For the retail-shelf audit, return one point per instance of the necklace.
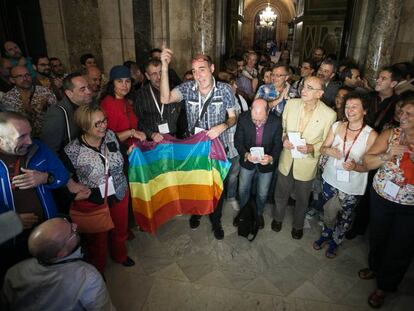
(89, 144)
(352, 130)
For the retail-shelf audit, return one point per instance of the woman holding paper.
(391, 240)
(344, 177)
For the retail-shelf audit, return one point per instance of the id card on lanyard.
(163, 127)
(341, 174)
(110, 189)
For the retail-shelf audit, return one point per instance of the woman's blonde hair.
(83, 116)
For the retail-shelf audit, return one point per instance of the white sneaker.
(234, 204)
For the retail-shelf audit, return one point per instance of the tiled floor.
(180, 269)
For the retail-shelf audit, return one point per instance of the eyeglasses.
(73, 230)
(101, 122)
(278, 76)
(25, 76)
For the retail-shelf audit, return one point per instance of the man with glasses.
(29, 170)
(56, 278)
(217, 101)
(155, 118)
(307, 122)
(31, 100)
(279, 91)
(257, 130)
(44, 76)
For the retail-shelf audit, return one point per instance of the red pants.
(96, 247)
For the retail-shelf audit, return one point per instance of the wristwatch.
(50, 178)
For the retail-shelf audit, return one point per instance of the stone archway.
(284, 9)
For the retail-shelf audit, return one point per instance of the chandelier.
(267, 17)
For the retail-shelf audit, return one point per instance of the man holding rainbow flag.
(210, 109)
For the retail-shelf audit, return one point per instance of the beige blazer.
(315, 133)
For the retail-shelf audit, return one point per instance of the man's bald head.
(54, 239)
(94, 77)
(259, 111)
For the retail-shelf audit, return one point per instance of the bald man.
(56, 278)
(257, 129)
(310, 119)
(93, 76)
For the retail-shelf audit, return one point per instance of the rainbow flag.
(176, 177)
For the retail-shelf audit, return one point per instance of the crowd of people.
(317, 137)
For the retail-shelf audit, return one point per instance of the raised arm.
(167, 96)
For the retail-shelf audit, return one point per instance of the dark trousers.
(215, 217)
(361, 219)
(391, 241)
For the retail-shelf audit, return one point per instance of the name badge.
(342, 175)
(163, 128)
(111, 189)
(391, 189)
(198, 130)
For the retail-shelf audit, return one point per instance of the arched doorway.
(263, 32)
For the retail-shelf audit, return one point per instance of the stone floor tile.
(262, 286)
(197, 265)
(310, 292)
(215, 278)
(171, 272)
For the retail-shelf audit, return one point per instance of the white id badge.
(111, 189)
(163, 128)
(342, 175)
(198, 130)
(391, 189)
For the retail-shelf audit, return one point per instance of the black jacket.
(245, 138)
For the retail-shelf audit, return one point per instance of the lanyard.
(160, 111)
(200, 105)
(355, 139)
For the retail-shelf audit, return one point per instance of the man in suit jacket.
(312, 119)
(257, 128)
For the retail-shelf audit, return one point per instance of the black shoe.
(351, 234)
(128, 262)
(297, 234)
(194, 221)
(276, 225)
(218, 232)
(260, 222)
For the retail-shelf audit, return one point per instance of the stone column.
(203, 27)
(382, 37)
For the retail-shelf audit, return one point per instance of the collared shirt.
(149, 116)
(269, 93)
(71, 285)
(259, 135)
(41, 99)
(223, 101)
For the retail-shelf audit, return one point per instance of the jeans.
(245, 183)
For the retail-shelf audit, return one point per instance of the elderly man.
(155, 118)
(56, 278)
(28, 172)
(209, 107)
(24, 97)
(257, 128)
(307, 122)
(327, 72)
